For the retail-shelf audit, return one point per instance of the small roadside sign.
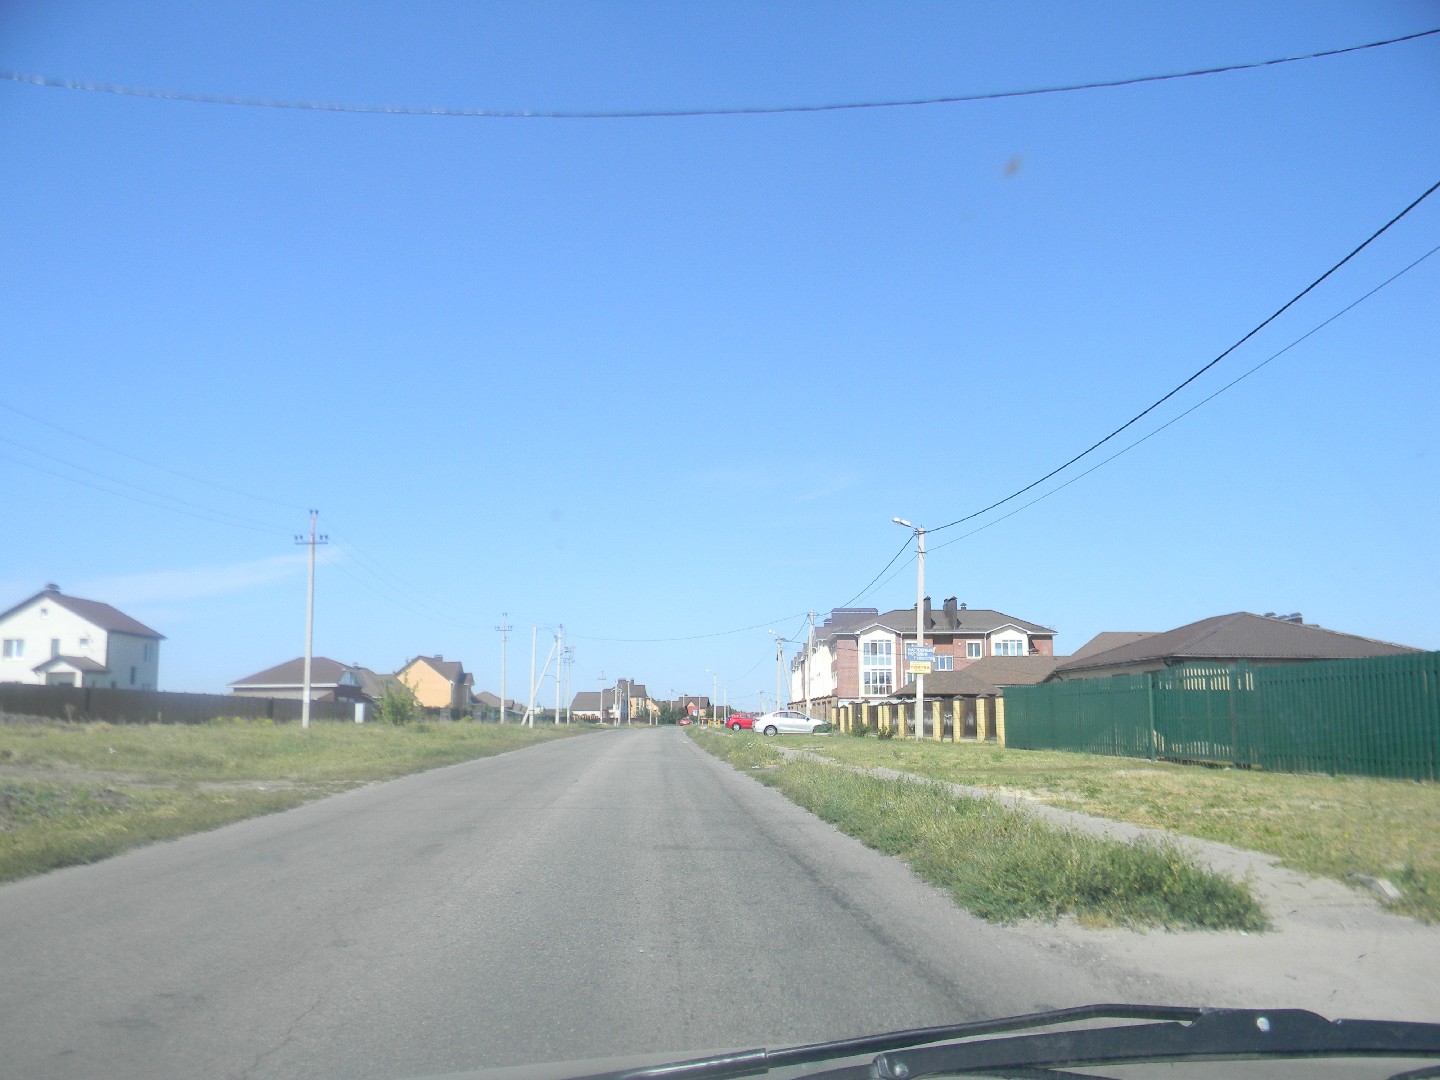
(919, 659)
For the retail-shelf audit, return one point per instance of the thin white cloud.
(172, 586)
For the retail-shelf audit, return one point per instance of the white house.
(63, 640)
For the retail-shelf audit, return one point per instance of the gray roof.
(323, 672)
(79, 663)
(101, 615)
(589, 700)
(373, 684)
(1239, 636)
(940, 621)
(492, 701)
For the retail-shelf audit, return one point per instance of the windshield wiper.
(1178, 1034)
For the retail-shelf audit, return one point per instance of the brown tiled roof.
(101, 615)
(450, 670)
(1239, 636)
(988, 675)
(950, 684)
(1015, 670)
(1109, 639)
(323, 672)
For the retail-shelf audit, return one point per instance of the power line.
(144, 461)
(1166, 397)
(1203, 401)
(642, 114)
(197, 512)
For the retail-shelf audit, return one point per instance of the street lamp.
(919, 623)
(714, 693)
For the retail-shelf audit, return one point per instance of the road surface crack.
(284, 1039)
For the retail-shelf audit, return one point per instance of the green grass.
(1000, 863)
(76, 793)
(1326, 825)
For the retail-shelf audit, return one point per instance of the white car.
(789, 722)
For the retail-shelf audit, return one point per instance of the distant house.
(859, 653)
(1224, 639)
(592, 704)
(438, 684)
(61, 640)
(626, 702)
(487, 706)
(330, 680)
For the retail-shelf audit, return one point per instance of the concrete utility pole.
(309, 616)
(559, 663)
(530, 709)
(779, 669)
(569, 674)
(714, 694)
(600, 709)
(504, 629)
(809, 648)
(919, 623)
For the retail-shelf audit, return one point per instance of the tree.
(398, 705)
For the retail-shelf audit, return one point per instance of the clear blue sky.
(661, 378)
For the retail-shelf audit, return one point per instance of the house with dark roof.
(330, 680)
(487, 706)
(59, 640)
(438, 684)
(1225, 639)
(859, 653)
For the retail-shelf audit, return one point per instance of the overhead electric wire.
(1166, 397)
(202, 515)
(1203, 401)
(144, 461)
(644, 114)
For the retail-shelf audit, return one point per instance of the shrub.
(398, 705)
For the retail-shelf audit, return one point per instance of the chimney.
(929, 619)
(962, 607)
(52, 587)
(951, 616)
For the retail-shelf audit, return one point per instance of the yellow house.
(438, 684)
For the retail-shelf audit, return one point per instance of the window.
(54, 646)
(132, 676)
(944, 663)
(84, 643)
(14, 648)
(147, 652)
(877, 668)
(1012, 647)
(972, 650)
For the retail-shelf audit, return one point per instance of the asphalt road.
(607, 895)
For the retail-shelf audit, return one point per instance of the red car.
(739, 721)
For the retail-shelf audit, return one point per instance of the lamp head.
(902, 521)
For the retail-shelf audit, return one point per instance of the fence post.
(1150, 685)
(937, 719)
(1000, 719)
(982, 722)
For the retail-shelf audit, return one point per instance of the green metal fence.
(1373, 717)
